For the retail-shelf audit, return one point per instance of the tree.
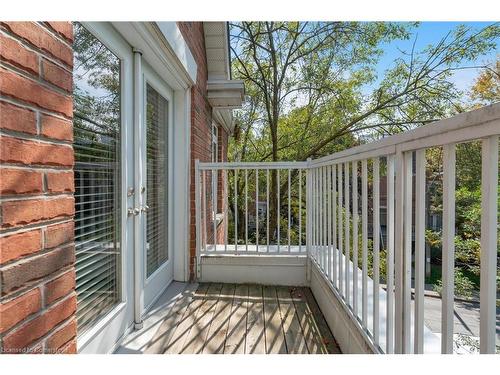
(318, 91)
(486, 88)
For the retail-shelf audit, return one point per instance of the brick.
(60, 182)
(18, 309)
(23, 273)
(22, 88)
(56, 128)
(40, 326)
(20, 151)
(20, 181)
(69, 348)
(16, 118)
(41, 38)
(56, 235)
(28, 211)
(65, 29)
(18, 245)
(60, 338)
(60, 287)
(57, 76)
(16, 54)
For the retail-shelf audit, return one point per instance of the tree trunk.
(274, 209)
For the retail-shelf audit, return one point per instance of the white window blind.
(97, 177)
(157, 180)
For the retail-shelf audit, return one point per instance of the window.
(96, 94)
(215, 151)
(157, 180)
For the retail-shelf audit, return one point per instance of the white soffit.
(217, 47)
(224, 94)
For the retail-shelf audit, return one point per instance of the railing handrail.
(254, 165)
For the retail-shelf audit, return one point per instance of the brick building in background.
(56, 266)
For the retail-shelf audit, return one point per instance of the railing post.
(390, 256)
(448, 249)
(406, 250)
(418, 339)
(376, 248)
(398, 253)
(197, 216)
(489, 222)
(308, 219)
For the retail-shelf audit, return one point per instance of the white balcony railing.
(325, 207)
(249, 227)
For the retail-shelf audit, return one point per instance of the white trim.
(181, 183)
(102, 335)
(179, 47)
(138, 177)
(164, 48)
(255, 165)
(260, 269)
(86, 342)
(345, 327)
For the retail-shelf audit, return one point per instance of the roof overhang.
(224, 93)
(227, 94)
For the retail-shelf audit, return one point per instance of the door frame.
(164, 49)
(110, 328)
(159, 280)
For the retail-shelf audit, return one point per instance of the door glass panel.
(157, 180)
(96, 93)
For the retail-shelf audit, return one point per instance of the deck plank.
(167, 328)
(199, 331)
(295, 341)
(179, 338)
(275, 338)
(327, 338)
(255, 342)
(236, 334)
(307, 323)
(216, 337)
(229, 318)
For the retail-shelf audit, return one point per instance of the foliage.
(313, 83)
(486, 88)
(463, 286)
(96, 93)
(467, 207)
(312, 87)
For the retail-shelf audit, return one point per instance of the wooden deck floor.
(230, 318)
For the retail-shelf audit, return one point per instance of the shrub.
(463, 286)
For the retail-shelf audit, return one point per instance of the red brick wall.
(37, 297)
(201, 126)
(201, 118)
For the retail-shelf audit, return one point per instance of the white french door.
(156, 177)
(123, 182)
(104, 175)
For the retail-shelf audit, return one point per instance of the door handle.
(145, 208)
(133, 211)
